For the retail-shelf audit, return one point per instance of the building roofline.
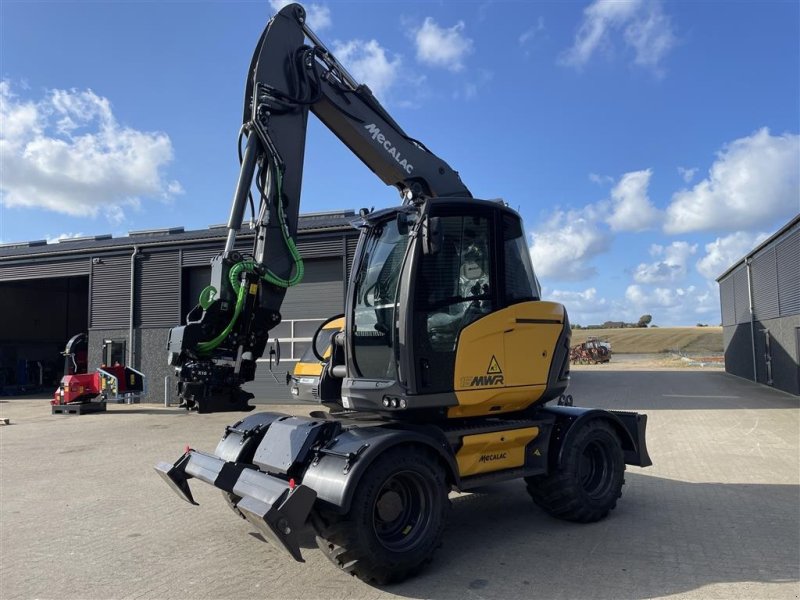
(312, 223)
(790, 225)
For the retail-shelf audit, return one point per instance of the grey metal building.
(132, 289)
(760, 299)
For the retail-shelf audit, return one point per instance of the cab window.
(454, 287)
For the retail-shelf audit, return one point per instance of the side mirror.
(403, 223)
(275, 353)
(431, 235)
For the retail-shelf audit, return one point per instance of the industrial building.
(760, 300)
(132, 289)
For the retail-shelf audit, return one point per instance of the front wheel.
(395, 522)
(586, 486)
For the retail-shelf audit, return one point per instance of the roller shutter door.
(158, 279)
(31, 269)
(319, 295)
(110, 293)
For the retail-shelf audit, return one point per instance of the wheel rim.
(402, 512)
(595, 471)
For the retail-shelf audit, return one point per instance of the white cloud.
(581, 304)
(670, 268)
(650, 35)
(724, 251)
(566, 243)
(368, 62)
(532, 32)
(470, 89)
(67, 153)
(673, 306)
(754, 182)
(63, 236)
(630, 205)
(646, 30)
(442, 47)
(687, 174)
(318, 16)
(600, 179)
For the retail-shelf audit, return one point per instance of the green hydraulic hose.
(299, 267)
(206, 347)
(269, 276)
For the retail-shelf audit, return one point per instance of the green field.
(691, 340)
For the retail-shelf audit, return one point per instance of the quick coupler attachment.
(278, 509)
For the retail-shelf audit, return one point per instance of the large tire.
(589, 481)
(395, 522)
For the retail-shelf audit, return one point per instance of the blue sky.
(647, 144)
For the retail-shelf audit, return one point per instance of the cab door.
(452, 289)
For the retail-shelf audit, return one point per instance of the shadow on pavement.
(666, 537)
(673, 390)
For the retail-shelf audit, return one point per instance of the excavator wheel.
(395, 522)
(586, 486)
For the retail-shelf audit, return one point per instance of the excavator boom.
(291, 73)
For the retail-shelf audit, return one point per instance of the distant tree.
(701, 325)
(577, 326)
(644, 320)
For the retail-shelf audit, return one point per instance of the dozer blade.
(277, 508)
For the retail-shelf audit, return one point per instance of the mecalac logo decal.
(494, 376)
(490, 457)
(376, 134)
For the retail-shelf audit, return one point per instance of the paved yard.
(83, 514)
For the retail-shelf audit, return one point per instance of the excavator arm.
(291, 73)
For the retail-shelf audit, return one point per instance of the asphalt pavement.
(84, 515)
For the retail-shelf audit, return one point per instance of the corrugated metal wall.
(775, 282)
(29, 269)
(320, 294)
(315, 248)
(787, 255)
(741, 295)
(352, 244)
(158, 290)
(109, 293)
(765, 285)
(727, 301)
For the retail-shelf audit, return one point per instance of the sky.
(648, 145)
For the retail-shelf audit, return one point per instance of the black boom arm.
(291, 73)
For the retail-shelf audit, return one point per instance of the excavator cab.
(444, 315)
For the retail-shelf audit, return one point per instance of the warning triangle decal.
(494, 367)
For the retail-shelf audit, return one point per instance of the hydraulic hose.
(234, 276)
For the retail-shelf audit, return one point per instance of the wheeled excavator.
(443, 376)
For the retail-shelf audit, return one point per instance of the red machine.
(78, 389)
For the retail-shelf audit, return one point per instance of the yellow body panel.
(503, 359)
(314, 369)
(308, 369)
(488, 452)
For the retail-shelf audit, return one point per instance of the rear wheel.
(589, 482)
(395, 522)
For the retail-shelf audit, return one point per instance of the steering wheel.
(320, 358)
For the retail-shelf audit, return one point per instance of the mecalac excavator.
(443, 376)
